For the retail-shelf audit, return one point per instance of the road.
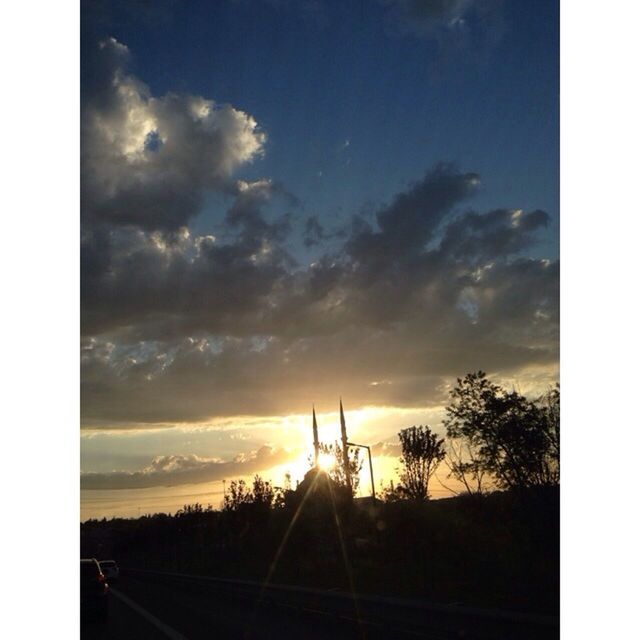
(148, 605)
(147, 609)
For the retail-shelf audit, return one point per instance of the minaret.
(316, 444)
(345, 447)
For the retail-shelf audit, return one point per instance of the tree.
(549, 408)
(262, 496)
(391, 492)
(505, 435)
(422, 452)
(336, 471)
(238, 494)
(263, 493)
(193, 510)
(464, 465)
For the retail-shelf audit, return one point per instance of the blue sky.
(355, 106)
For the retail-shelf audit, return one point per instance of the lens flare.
(326, 461)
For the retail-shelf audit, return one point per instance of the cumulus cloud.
(152, 284)
(147, 161)
(422, 294)
(172, 470)
(404, 227)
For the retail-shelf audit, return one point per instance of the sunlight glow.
(326, 461)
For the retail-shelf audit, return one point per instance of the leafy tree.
(336, 472)
(505, 435)
(238, 494)
(422, 452)
(263, 493)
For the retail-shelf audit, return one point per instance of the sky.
(284, 203)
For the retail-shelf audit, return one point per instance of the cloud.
(480, 238)
(172, 470)
(147, 161)
(430, 14)
(152, 284)
(315, 234)
(425, 295)
(455, 25)
(410, 220)
(107, 13)
(388, 449)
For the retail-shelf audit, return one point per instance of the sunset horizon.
(242, 262)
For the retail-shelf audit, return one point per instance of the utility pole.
(345, 448)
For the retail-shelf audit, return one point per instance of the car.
(110, 570)
(94, 590)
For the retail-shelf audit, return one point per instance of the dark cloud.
(172, 470)
(425, 15)
(456, 26)
(154, 284)
(315, 233)
(228, 332)
(246, 214)
(513, 325)
(478, 238)
(409, 222)
(110, 13)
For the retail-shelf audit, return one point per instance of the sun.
(326, 461)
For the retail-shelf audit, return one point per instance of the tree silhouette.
(238, 494)
(391, 492)
(193, 510)
(504, 434)
(262, 496)
(336, 472)
(549, 407)
(465, 466)
(422, 452)
(263, 493)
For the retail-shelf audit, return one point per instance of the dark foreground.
(161, 605)
(499, 551)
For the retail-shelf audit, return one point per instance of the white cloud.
(172, 470)
(147, 160)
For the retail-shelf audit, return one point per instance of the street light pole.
(368, 448)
